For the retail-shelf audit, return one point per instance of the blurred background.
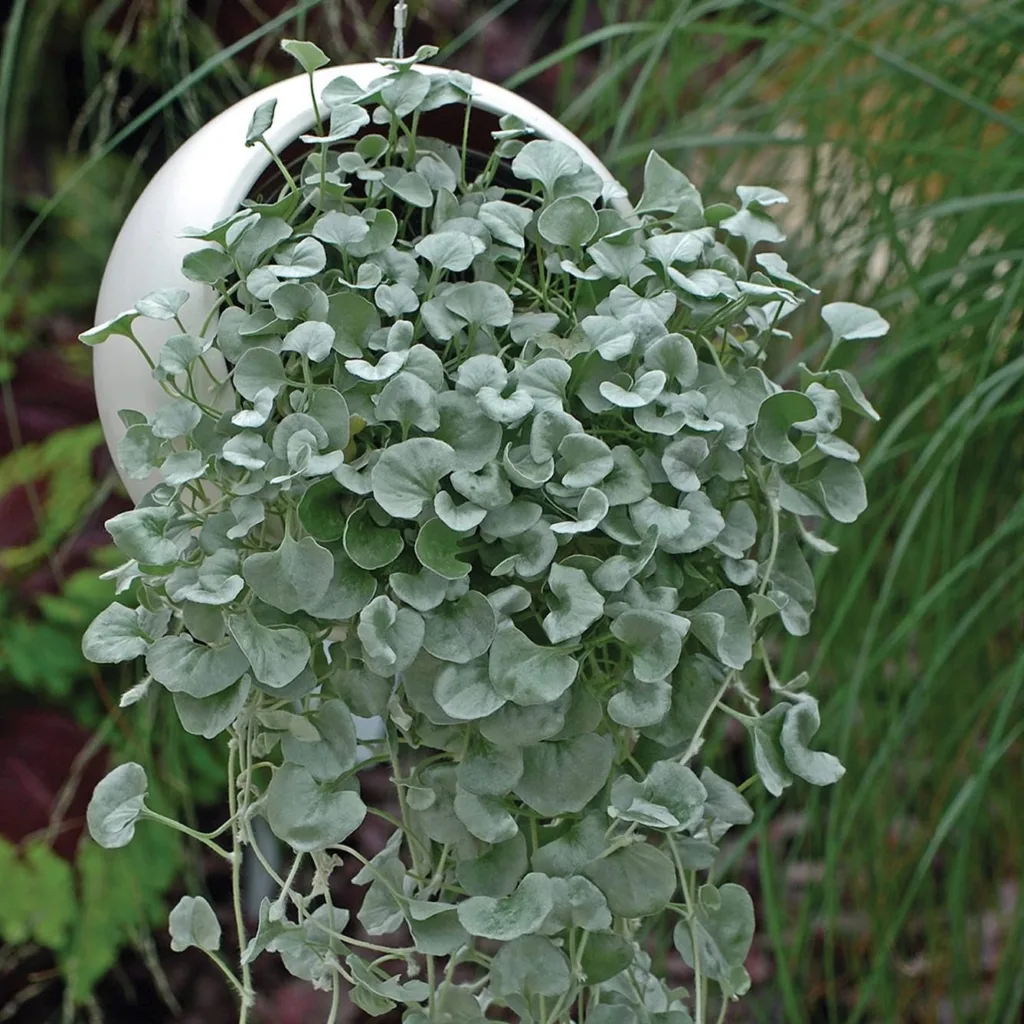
(897, 129)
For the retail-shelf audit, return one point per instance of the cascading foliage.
(501, 467)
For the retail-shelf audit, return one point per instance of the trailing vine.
(501, 469)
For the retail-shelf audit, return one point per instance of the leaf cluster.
(501, 466)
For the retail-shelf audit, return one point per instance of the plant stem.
(695, 742)
(285, 173)
(432, 983)
(227, 972)
(698, 978)
(237, 838)
(185, 830)
(335, 999)
(286, 889)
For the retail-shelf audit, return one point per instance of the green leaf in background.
(605, 956)
(321, 512)
(39, 904)
(367, 544)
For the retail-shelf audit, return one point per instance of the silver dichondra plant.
(499, 466)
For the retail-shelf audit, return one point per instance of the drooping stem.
(396, 778)
(227, 972)
(335, 999)
(199, 837)
(285, 173)
(698, 977)
(237, 840)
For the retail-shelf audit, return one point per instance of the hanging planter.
(208, 179)
(479, 450)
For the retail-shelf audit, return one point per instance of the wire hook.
(401, 13)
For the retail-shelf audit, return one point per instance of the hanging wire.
(401, 13)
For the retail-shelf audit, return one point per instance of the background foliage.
(894, 126)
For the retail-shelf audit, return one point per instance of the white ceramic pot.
(204, 181)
